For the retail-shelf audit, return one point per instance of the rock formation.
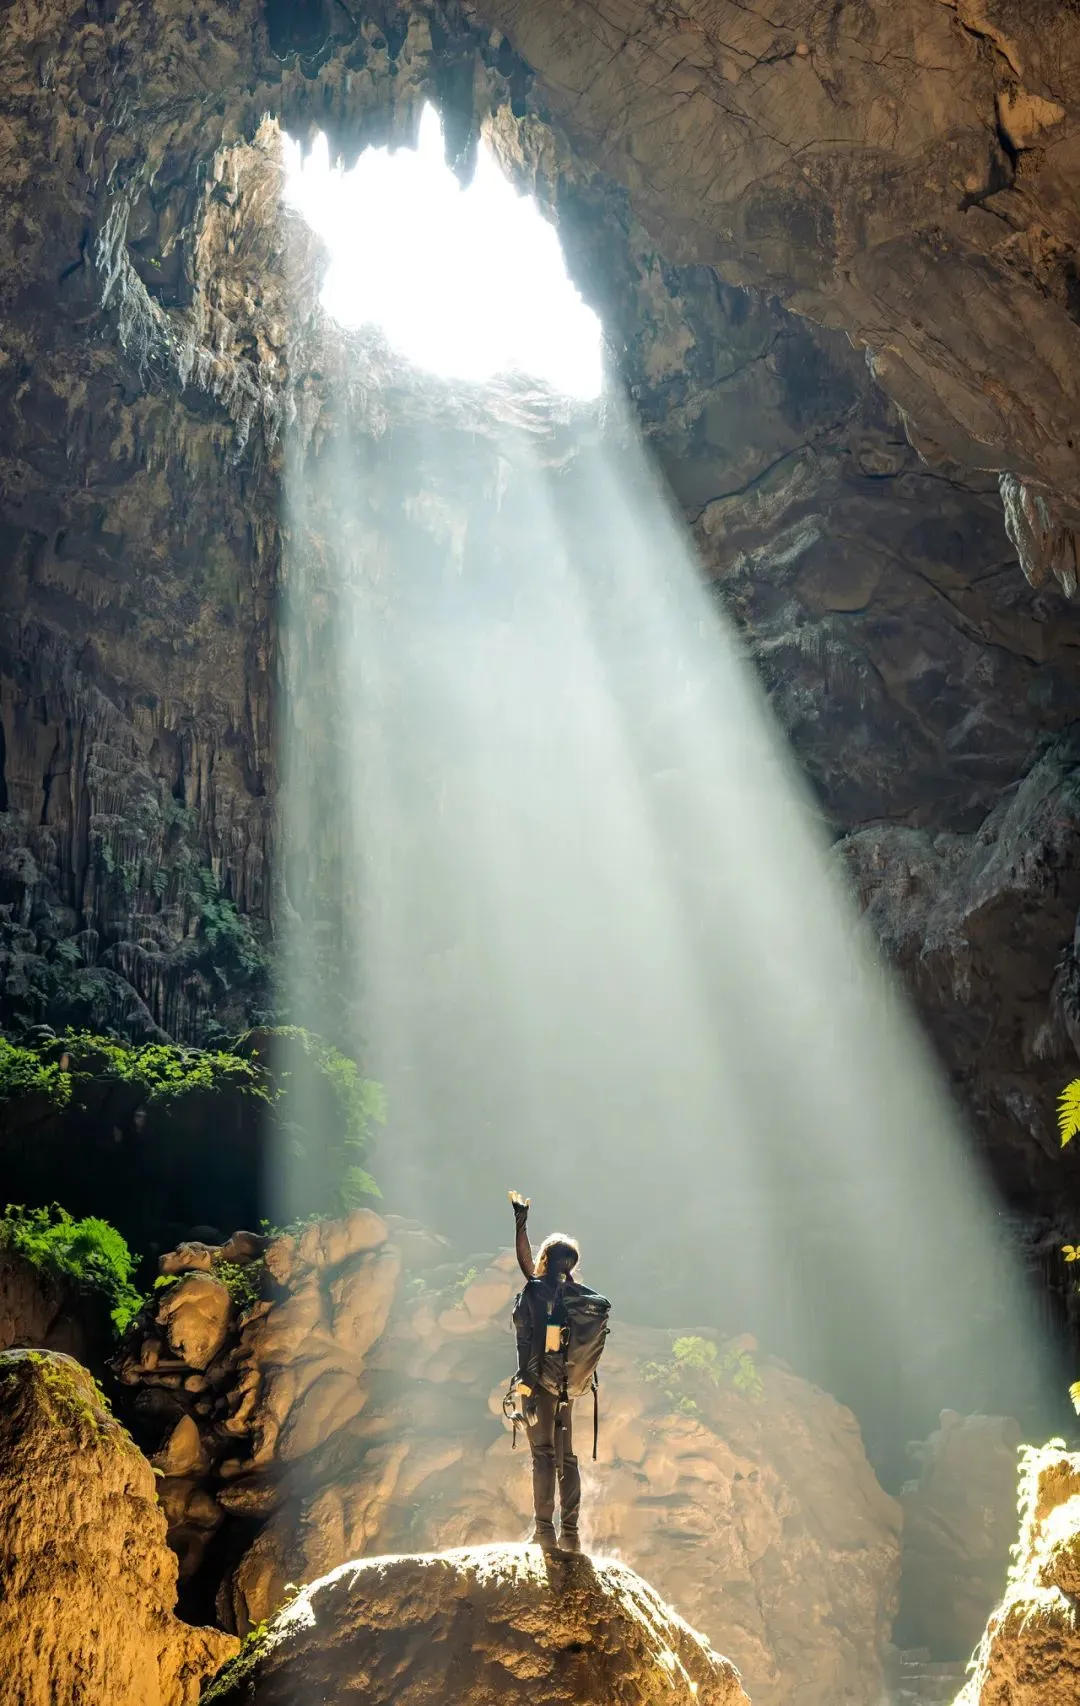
(959, 1523)
(907, 174)
(1030, 1652)
(476, 1626)
(161, 325)
(349, 1412)
(87, 1583)
(36, 1310)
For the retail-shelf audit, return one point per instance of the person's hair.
(558, 1254)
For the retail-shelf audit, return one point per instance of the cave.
(650, 778)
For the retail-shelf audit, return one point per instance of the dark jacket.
(540, 1306)
(537, 1306)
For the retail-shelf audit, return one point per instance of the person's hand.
(518, 1200)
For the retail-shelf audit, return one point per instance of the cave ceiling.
(835, 251)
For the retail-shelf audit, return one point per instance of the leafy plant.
(87, 1254)
(323, 1104)
(698, 1363)
(313, 1099)
(1069, 1112)
(160, 1070)
(242, 1281)
(234, 951)
(23, 1072)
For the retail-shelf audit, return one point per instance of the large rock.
(959, 1522)
(37, 1309)
(1030, 1652)
(87, 1582)
(476, 1627)
(353, 1416)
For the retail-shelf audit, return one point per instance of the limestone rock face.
(950, 906)
(959, 1523)
(1030, 1652)
(475, 1627)
(352, 1413)
(907, 172)
(87, 1582)
(35, 1310)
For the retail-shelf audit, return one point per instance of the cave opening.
(465, 280)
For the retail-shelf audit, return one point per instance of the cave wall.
(162, 347)
(906, 173)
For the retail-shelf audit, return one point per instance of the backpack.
(582, 1315)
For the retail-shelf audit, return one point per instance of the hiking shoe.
(543, 1535)
(569, 1540)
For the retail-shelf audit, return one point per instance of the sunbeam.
(593, 936)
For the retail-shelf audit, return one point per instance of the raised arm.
(522, 1247)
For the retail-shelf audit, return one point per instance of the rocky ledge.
(473, 1626)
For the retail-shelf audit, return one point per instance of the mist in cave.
(592, 937)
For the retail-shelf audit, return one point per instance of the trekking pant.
(551, 1442)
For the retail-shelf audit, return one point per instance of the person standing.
(561, 1327)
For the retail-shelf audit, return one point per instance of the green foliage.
(88, 1254)
(325, 1107)
(317, 1102)
(23, 1072)
(696, 1364)
(161, 1071)
(234, 952)
(242, 1281)
(1069, 1112)
(239, 1669)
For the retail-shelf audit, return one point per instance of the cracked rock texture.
(478, 1625)
(907, 173)
(87, 1583)
(1030, 1651)
(351, 1412)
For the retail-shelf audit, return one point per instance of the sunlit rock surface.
(1030, 1652)
(353, 1412)
(959, 1527)
(479, 1626)
(87, 1582)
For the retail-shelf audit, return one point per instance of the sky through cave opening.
(468, 283)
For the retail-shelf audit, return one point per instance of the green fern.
(1069, 1111)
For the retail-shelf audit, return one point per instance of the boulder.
(195, 1315)
(1030, 1651)
(87, 1581)
(474, 1627)
(959, 1522)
